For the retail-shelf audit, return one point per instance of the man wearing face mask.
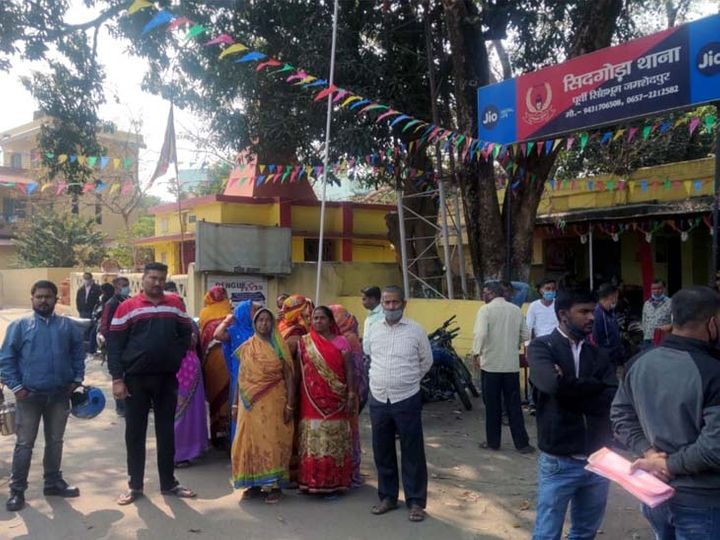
(87, 296)
(541, 318)
(122, 293)
(574, 387)
(656, 312)
(667, 410)
(606, 330)
(401, 356)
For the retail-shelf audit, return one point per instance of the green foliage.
(49, 239)
(125, 252)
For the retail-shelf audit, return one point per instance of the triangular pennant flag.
(232, 49)
(387, 113)
(318, 82)
(665, 127)
(540, 146)
(298, 75)
(127, 162)
(60, 188)
(222, 38)
(160, 18)
(710, 120)
(261, 168)
(591, 185)
(399, 119)
(100, 187)
(556, 143)
(251, 56)
(116, 163)
(62, 158)
(115, 187)
(606, 137)
(643, 186)
(340, 95)
(619, 133)
(49, 155)
(31, 187)
(350, 100)
(530, 146)
(286, 67)
(88, 187)
(21, 187)
(45, 186)
(496, 151)
(631, 134)
(548, 146)
(325, 93)
(127, 187)
(646, 132)
(178, 22)
(373, 107)
(569, 143)
(687, 184)
(81, 160)
(411, 123)
(358, 104)
(694, 122)
(91, 161)
(271, 168)
(697, 184)
(137, 5)
(583, 141)
(268, 63)
(667, 184)
(195, 31)
(259, 180)
(104, 160)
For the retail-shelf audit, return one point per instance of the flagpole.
(179, 201)
(321, 239)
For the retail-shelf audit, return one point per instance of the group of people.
(284, 390)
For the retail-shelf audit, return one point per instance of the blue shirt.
(42, 354)
(606, 333)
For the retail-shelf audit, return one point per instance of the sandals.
(129, 497)
(385, 506)
(250, 493)
(180, 491)
(416, 513)
(273, 497)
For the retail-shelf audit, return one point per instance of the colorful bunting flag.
(160, 18)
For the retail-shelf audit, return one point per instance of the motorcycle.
(448, 375)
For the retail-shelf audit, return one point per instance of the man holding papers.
(574, 387)
(668, 411)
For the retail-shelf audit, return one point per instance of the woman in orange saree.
(327, 402)
(215, 373)
(264, 408)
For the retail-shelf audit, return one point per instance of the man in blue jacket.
(42, 361)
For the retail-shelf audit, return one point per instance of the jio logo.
(708, 59)
(490, 117)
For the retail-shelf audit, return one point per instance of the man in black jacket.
(87, 296)
(574, 387)
(668, 411)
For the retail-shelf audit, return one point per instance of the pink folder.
(643, 485)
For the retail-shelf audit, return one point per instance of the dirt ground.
(473, 494)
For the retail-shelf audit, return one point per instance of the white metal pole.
(460, 244)
(403, 245)
(327, 155)
(444, 231)
(590, 251)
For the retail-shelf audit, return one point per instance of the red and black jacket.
(148, 338)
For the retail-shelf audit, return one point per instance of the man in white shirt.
(371, 302)
(541, 318)
(499, 331)
(401, 356)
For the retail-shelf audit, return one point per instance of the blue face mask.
(125, 291)
(658, 296)
(549, 296)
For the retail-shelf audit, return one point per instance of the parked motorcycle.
(448, 375)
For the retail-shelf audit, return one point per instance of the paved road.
(474, 494)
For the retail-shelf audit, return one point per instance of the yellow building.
(354, 232)
(20, 169)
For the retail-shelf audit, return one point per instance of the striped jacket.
(148, 338)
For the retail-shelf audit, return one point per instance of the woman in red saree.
(327, 402)
(215, 373)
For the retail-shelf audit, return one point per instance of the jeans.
(673, 521)
(53, 409)
(160, 392)
(563, 480)
(496, 389)
(404, 418)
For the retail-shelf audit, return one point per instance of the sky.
(126, 100)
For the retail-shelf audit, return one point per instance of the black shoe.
(61, 489)
(529, 449)
(16, 502)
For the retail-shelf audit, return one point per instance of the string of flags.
(466, 148)
(124, 187)
(682, 225)
(92, 162)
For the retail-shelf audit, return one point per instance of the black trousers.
(160, 392)
(498, 388)
(405, 419)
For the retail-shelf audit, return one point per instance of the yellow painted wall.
(250, 214)
(369, 221)
(307, 218)
(298, 249)
(372, 251)
(630, 265)
(15, 284)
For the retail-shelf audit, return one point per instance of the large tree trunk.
(484, 219)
